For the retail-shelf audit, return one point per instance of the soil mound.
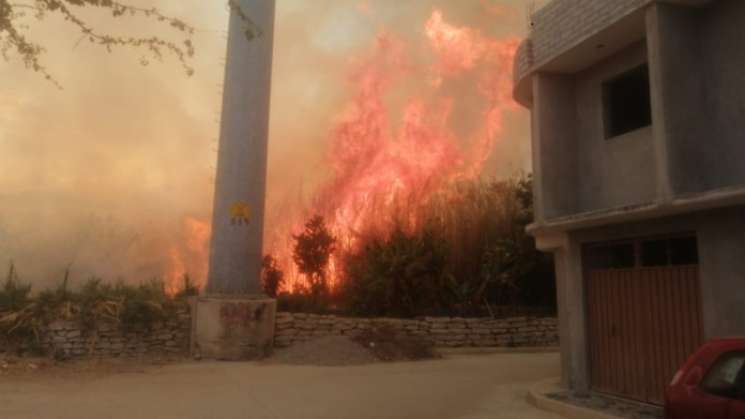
(375, 345)
(324, 351)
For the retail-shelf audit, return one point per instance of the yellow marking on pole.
(240, 213)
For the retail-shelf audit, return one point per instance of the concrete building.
(638, 119)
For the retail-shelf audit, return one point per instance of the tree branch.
(13, 40)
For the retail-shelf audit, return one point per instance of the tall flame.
(188, 255)
(376, 165)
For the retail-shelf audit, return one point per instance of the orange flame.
(188, 255)
(375, 167)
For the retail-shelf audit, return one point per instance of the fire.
(375, 166)
(189, 254)
(381, 160)
(458, 48)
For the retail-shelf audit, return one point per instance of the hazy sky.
(102, 175)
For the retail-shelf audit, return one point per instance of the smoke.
(112, 176)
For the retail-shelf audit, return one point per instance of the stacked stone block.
(70, 340)
(292, 328)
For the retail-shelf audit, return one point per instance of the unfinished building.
(638, 133)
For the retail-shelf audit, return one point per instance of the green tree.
(273, 278)
(313, 249)
(18, 16)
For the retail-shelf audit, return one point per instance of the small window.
(626, 102)
(655, 253)
(672, 251)
(722, 378)
(613, 256)
(684, 251)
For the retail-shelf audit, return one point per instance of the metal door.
(643, 323)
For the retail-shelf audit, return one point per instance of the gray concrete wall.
(612, 172)
(701, 102)
(722, 264)
(696, 142)
(723, 63)
(576, 168)
(571, 312)
(233, 329)
(674, 45)
(555, 144)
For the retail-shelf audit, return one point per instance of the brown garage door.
(643, 321)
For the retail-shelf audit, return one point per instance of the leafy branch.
(14, 24)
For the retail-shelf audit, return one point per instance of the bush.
(400, 275)
(272, 277)
(466, 249)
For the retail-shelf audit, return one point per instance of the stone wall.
(441, 331)
(69, 340)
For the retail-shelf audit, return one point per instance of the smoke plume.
(112, 176)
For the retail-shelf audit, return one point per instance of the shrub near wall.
(292, 328)
(96, 319)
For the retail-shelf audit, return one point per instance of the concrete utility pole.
(235, 320)
(238, 218)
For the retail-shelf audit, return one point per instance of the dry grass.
(24, 316)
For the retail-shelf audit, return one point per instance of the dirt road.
(458, 387)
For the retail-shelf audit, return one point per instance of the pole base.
(233, 328)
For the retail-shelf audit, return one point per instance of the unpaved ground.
(368, 348)
(457, 387)
(14, 368)
(328, 351)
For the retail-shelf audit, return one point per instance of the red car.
(711, 384)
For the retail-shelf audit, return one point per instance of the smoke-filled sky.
(112, 175)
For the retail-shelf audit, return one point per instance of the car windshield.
(722, 378)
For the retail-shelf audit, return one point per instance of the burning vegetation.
(467, 254)
(404, 225)
(379, 172)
